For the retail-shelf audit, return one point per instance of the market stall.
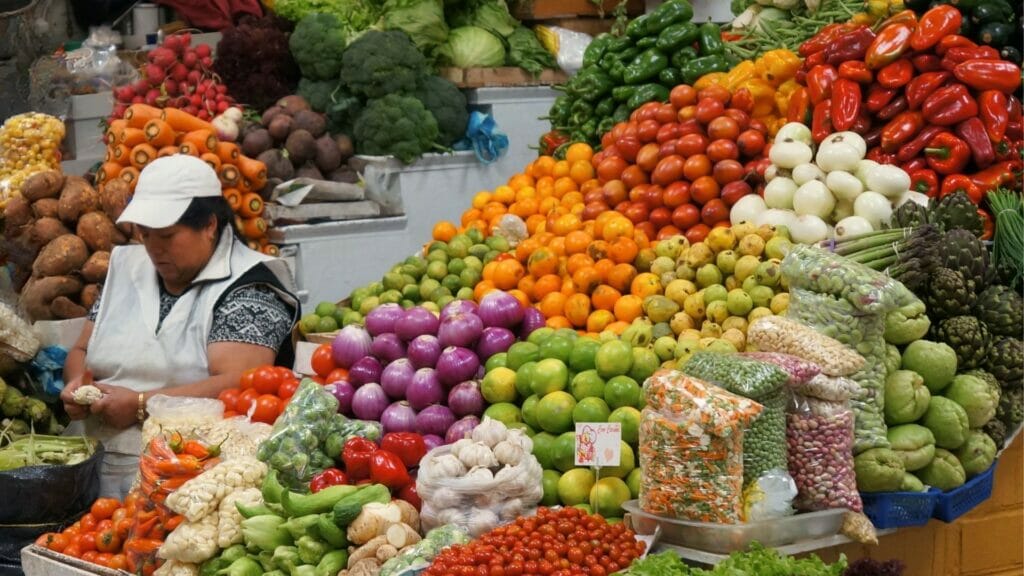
(693, 298)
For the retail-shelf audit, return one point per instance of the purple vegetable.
(382, 319)
(432, 441)
(367, 369)
(532, 319)
(465, 399)
(387, 347)
(458, 307)
(434, 419)
(369, 402)
(343, 391)
(398, 417)
(396, 377)
(460, 330)
(494, 340)
(351, 344)
(461, 429)
(416, 322)
(424, 389)
(501, 309)
(456, 365)
(423, 351)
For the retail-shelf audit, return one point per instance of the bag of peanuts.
(780, 334)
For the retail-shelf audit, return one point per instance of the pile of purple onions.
(415, 371)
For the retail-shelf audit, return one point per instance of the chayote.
(912, 483)
(892, 359)
(978, 397)
(977, 453)
(879, 470)
(907, 323)
(934, 361)
(906, 397)
(944, 472)
(914, 443)
(948, 422)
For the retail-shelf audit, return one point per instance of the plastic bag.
(187, 416)
(823, 272)
(820, 436)
(484, 138)
(420, 555)
(779, 334)
(567, 45)
(29, 143)
(800, 371)
(691, 449)
(770, 496)
(192, 542)
(838, 319)
(238, 437)
(830, 388)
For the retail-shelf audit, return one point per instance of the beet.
(309, 171)
(270, 114)
(345, 146)
(280, 127)
(293, 103)
(278, 166)
(311, 122)
(256, 143)
(328, 157)
(345, 175)
(301, 147)
(267, 192)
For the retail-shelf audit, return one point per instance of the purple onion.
(456, 365)
(369, 402)
(398, 417)
(343, 391)
(396, 377)
(499, 308)
(387, 347)
(382, 319)
(351, 344)
(461, 429)
(423, 351)
(460, 330)
(493, 340)
(532, 319)
(432, 441)
(465, 399)
(458, 307)
(434, 419)
(367, 369)
(424, 389)
(416, 322)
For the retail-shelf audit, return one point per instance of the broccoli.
(381, 63)
(317, 44)
(447, 104)
(318, 92)
(396, 125)
(342, 112)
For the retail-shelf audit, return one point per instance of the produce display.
(19, 450)
(29, 143)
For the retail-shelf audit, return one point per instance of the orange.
(621, 276)
(602, 219)
(623, 250)
(508, 273)
(489, 269)
(604, 268)
(548, 284)
(572, 200)
(543, 261)
(481, 289)
(617, 327)
(557, 245)
(520, 181)
(564, 185)
(579, 152)
(558, 322)
(598, 320)
(577, 309)
(504, 194)
(546, 205)
(524, 300)
(444, 231)
(470, 215)
(577, 261)
(598, 249)
(492, 209)
(533, 223)
(526, 247)
(581, 171)
(481, 199)
(576, 242)
(604, 297)
(586, 279)
(561, 170)
(526, 192)
(542, 166)
(628, 308)
(616, 227)
(568, 286)
(645, 284)
(590, 185)
(552, 304)
(545, 186)
(526, 285)
(566, 223)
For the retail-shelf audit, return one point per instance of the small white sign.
(598, 443)
(304, 357)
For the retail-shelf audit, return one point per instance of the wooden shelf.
(545, 9)
(500, 77)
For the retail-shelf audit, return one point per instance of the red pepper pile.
(924, 98)
(392, 464)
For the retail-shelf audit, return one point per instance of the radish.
(124, 93)
(222, 89)
(162, 57)
(152, 96)
(196, 100)
(170, 87)
(155, 74)
(138, 100)
(140, 86)
(203, 50)
(190, 59)
(207, 62)
(203, 115)
(179, 72)
(194, 77)
(222, 107)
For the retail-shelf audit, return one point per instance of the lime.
(326, 324)
(411, 292)
(504, 412)
(498, 243)
(549, 480)
(574, 486)
(607, 496)
(627, 463)
(438, 246)
(432, 306)
(469, 278)
(452, 283)
(393, 281)
(326, 309)
(583, 353)
(437, 270)
(522, 352)
(567, 333)
(427, 286)
(633, 481)
(554, 412)
(499, 360)
(645, 362)
(465, 293)
(529, 431)
(524, 379)
(613, 358)
(621, 391)
(390, 297)
(563, 452)
(529, 410)
(456, 266)
(351, 317)
(543, 449)
(540, 335)
(628, 418)
(591, 410)
(308, 323)
(499, 385)
(587, 384)
(557, 347)
(475, 235)
(368, 304)
(549, 375)
(473, 263)
(585, 507)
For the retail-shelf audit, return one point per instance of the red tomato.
(87, 542)
(715, 92)
(634, 176)
(687, 113)
(648, 130)
(284, 373)
(668, 131)
(696, 166)
(104, 508)
(733, 191)
(266, 380)
(676, 194)
(697, 233)
(660, 217)
(651, 196)
(668, 170)
(714, 211)
(88, 522)
(287, 389)
(723, 149)
(759, 126)
(708, 109)
(668, 232)
(118, 562)
(229, 397)
(723, 127)
(665, 113)
(245, 400)
(593, 209)
(595, 194)
(613, 192)
(667, 148)
(637, 212)
(691, 126)
(685, 216)
(742, 118)
(628, 147)
(691, 145)
(246, 380)
(323, 360)
(646, 228)
(611, 168)
(90, 556)
(682, 96)
(750, 142)
(336, 375)
(268, 407)
(726, 171)
(647, 157)
(704, 189)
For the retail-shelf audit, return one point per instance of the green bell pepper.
(559, 112)
(698, 67)
(637, 29)
(710, 39)
(617, 72)
(683, 55)
(596, 49)
(592, 84)
(622, 113)
(645, 67)
(618, 44)
(580, 112)
(646, 42)
(647, 93)
(670, 77)
(623, 93)
(606, 125)
(669, 13)
(604, 108)
(677, 36)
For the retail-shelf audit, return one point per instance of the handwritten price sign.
(598, 444)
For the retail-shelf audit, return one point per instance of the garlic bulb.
(479, 474)
(519, 437)
(477, 454)
(508, 453)
(457, 447)
(489, 432)
(481, 521)
(448, 466)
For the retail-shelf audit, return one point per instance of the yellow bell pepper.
(863, 18)
(711, 79)
(740, 73)
(778, 66)
(763, 94)
(783, 94)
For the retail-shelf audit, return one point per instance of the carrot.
(228, 152)
(188, 148)
(114, 130)
(244, 186)
(159, 133)
(167, 151)
(254, 228)
(253, 245)
(270, 250)
(132, 137)
(108, 171)
(137, 115)
(204, 140)
(252, 205)
(182, 121)
(142, 154)
(120, 154)
(254, 171)
(234, 198)
(129, 174)
(212, 159)
(229, 175)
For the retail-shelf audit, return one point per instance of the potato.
(64, 308)
(39, 293)
(45, 184)
(64, 255)
(114, 197)
(90, 294)
(95, 268)
(17, 213)
(46, 230)
(99, 232)
(46, 208)
(77, 198)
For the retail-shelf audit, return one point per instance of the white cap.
(165, 189)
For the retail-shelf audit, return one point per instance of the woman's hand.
(119, 407)
(75, 410)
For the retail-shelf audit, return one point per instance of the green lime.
(613, 358)
(530, 410)
(464, 293)
(585, 507)
(437, 246)
(607, 496)
(627, 462)
(475, 235)
(390, 297)
(563, 451)
(368, 304)
(327, 324)
(456, 266)
(574, 486)
(452, 282)
(393, 281)
(584, 351)
(549, 480)
(437, 270)
(591, 410)
(427, 287)
(540, 335)
(308, 323)
(543, 449)
(645, 362)
(554, 412)
(621, 391)
(352, 317)
(411, 292)
(524, 378)
(556, 347)
(499, 385)
(499, 360)
(549, 375)
(628, 418)
(567, 333)
(504, 412)
(498, 243)
(522, 352)
(326, 309)
(478, 250)
(587, 384)
(633, 481)
(473, 263)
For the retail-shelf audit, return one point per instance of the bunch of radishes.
(177, 75)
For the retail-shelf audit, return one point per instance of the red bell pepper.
(919, 143)
(1013, 106)
(863, 123)
(926, 62)
(356, 455)
(855, 70)
(410, 495)
(972, 131)
(845, 105)
(934, 25)
(387, 468)
(551, 141)
(891, 43)
(901, 130)
(878, 155)
(409, 446)
(952, 41)
(925, 181)
(799, 108)
(826, 35)
(988, 226)
(878, 98)
(993, 109)
(996, 175)
(949, 105)
(813, 60)
(989, 75)
(914, 165)
(908, 17)
(897, 106)
(947, 154)
(819, 82)
(850, 46)
(960, 183)
(896, 74)
(923, 86)
(821, 121)
(959, 54)
(329, 477)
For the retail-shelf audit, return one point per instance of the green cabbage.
(472, 47)
(422, 20)
(491, 15)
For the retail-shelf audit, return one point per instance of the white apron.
(127, 350)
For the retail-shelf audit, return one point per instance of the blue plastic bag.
(484, 138)
(47, 370)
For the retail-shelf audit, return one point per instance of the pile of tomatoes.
(562, 542)
(97, 537)
(262, 394)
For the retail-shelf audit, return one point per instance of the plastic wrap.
(770, 496)
(800, 371)
(691, 449)
(829, 388)
(187, 416)
(820, 437)
(867, 290)
(567, 45)
(779, 334)
(192, 542)
(418, 556)
(29, 143)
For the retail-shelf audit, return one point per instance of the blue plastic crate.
(899, 509)
(955, 503)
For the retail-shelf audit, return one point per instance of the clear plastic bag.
(421, 554)
(770, 496)
(820, 436)
(829, 388)
(691, 449)
(870, 291)
(29, 143)
(567, 45)
(779, 334)
(869, 407)
(800, 371)
(185, 415)
(238, 437)
(863, 333)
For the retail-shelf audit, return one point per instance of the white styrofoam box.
(304, 356)
(84, 133)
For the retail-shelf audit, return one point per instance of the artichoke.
(962, 251)
(996, 430)
(949, 294)
(1005, 361)
(910, 215)
(1002, 311)
(968, 337)
(956, 211)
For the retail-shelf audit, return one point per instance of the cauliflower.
(201, 495)
(86, 395)
(175, 568)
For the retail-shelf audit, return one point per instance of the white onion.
(874, 208)
(776, 217)
(804, 173)
(808, 229)
(779, 193)
(843, 209)
(815, 199)
(844, 186)
(852, 226)
(838, 156)
(789, 153)
(794, 131)
(746, 209)
(889, 181)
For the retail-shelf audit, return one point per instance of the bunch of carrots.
(147, 133)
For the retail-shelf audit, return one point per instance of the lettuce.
(472, 47)
(422, 20)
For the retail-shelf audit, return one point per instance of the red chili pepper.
(958, 54)
(897, 106)
(826, 35)
(900, 130)
(949, 105)
(410, 495)
(845, 104)
(863, 124)
(896, 74)
(926, 62)
(972, 131)
(989, 75)
(409, 446)
(914, 165)
(888, 46)
(879, 98)
(919, 143)
(855, 70)
(550, 141)
(329, 477)
(934, 25)
(880, 156)
(821, 121)
(799, 109)
(994, 176)
(176, 443)
(923, 86)
(387, 468)
(988, 226)
(356, 456)
(952, 41)
(908, 17)
(947, 154)
(873, 139)
(960, 183)
(850, 46)
(819, 82)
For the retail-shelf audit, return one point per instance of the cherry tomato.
(691, 145)
(708, 109)
(697, 233)
(633, 176)
(245, 400)
(750, 142)
(323, 360)
(651, 196)
(647, 157)
(723, 149)
(628, 147)
(668, 131)
(229, 397)
(648, 131)
(723, 127)
(676, 194)
(685, 216)
(668, 170)
(696, 166)
(682, 95)
(246, 380)
(667, 148)
(637, 212)
(714, 211)
(733, 191)
(268, 407)
(611, 168)
(726, 171)
(660, 217)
